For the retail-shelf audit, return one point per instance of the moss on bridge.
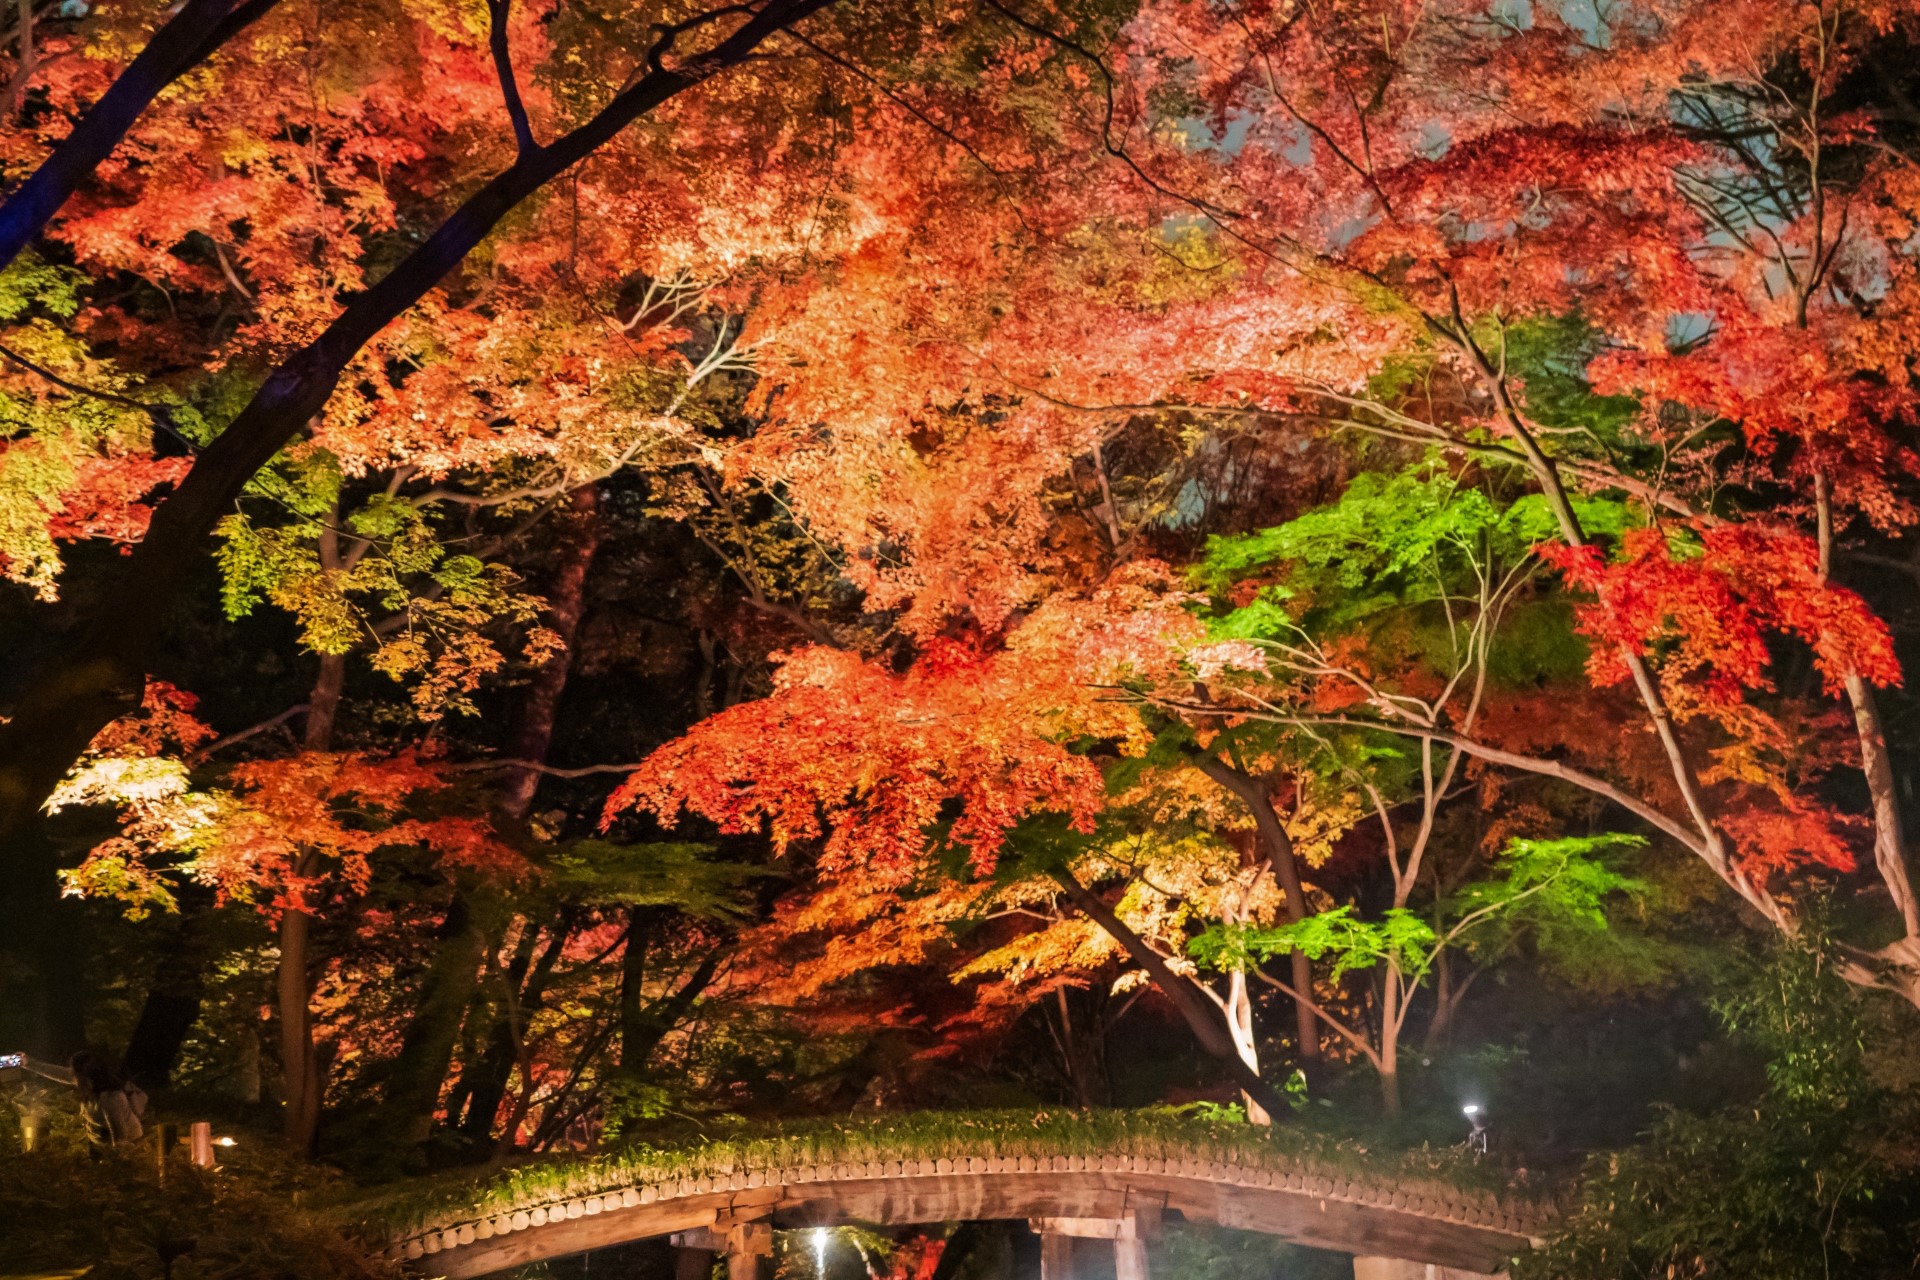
(1153, 1132)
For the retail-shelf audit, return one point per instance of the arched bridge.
(1105, 1176)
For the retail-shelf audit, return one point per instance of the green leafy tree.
(1808, 1181)
(1558, 891)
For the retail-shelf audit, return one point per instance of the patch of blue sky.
(1688, 329)
(1197, 132)
(1590, 18)
(1517, 14)
(1433, 140)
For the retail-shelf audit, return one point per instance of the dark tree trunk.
(644, 1024)
(96, 675)
(300, 1061)
(579, 535)
(959, 1247)
(1208, 1028)
(172, 1002)
(1280, 855)
(494, 1069)
(323, 704)
(182, 43)
(426, 1049)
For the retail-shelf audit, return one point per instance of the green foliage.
(394, 586)
(1557, 891)
(659, 873)
(1807, 1023)
(1560, 891)
(1200, 1249)
(1548, 357)
(627, 1101)
(1163, 1132)
(1812, 1181)
(1391, 540)
(56, 444)
(1399, 936)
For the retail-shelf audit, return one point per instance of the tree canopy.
(572, 566)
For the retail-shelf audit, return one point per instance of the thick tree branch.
(1182, 991)
(1285, 864)
(185, 41)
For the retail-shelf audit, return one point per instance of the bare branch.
(221, 744)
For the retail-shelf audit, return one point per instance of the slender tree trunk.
(491, 1075)
(633, 976)
(426, 1048)
(27, 59)
(1240, 1026)
(1285, 863)
(1889, 830)
(1889, 833)
(566, 593)
(656, 1020)
(1390, 1041)
(299, 1061)
(300, 1064)
(97, 674)
(1193, 1006)
(323, 705)
(1447, 997)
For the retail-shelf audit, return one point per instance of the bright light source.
(1472, 1109)
(820, 1235)
(223, 1142)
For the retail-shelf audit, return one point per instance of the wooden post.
(164, 1138)
(693, 1252)
(1129, 1233)
(1130, 1259)
(1056, 1256)
(1368, 1268)
(201, 1138)
(747, 1244)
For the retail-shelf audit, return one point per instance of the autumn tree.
(1536, 247)
(73, 698)
(285, 836)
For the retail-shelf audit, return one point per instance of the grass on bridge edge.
(458, 1196)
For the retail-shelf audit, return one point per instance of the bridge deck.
(1058, 1166)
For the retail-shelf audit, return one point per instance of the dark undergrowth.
(65, 1213)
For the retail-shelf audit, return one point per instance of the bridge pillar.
(692, 1264)
(749, 1244)
(745, 1244)
(1056, 1256)
(1129, 1234)
(1401, 1269)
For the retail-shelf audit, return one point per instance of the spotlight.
(224, 1142)
(820, 1236)
(1477, 1134)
